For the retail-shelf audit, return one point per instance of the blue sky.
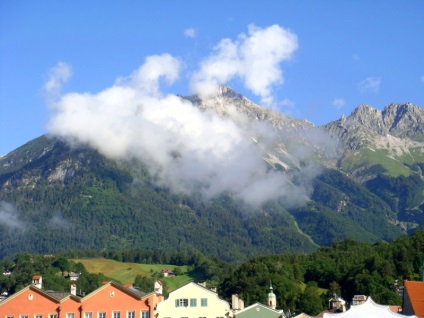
(346, 52)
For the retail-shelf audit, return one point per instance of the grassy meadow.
(126, 273)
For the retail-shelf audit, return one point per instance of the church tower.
(271, 299)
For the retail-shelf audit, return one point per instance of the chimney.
(37, 281)
(74, 289)
(236, 302)
(158, 287)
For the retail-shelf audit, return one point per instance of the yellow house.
(193, 301)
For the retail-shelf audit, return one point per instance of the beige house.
(193, 301)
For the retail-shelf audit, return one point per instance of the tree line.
(302, 282)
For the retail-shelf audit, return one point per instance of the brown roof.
(415, 292)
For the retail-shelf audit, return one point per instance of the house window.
(101, 315)
(131, 314)
(88, 315)
(144, 314)
(116, 314)
(70, 315)
(204, 302)
(182, 302)
(38, 316)
(53, 316)
(11, 316)
(24, 316)
(193, 302)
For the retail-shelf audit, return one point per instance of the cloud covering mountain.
(185, 148)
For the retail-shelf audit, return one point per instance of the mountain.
(56, 195)
(383, 150)
(391, 140)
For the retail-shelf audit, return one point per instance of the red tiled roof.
(36, 277)
(415, 292)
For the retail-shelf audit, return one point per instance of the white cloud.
(369, 85)
(339, 103)
(287, 103)
(254, 58)
(190, 33)
(9, 216)
(422, 78)
(184, 148)
(58, 76)
(148, 76)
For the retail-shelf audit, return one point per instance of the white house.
(193, 300)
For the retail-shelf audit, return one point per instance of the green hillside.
(126, 273)
(72, 198)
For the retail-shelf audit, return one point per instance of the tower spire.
(271, 299)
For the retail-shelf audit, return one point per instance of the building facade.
(194, 301)
(112, 300)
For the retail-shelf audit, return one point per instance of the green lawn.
(125, 273)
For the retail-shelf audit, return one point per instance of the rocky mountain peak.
(226, 100)
(401, 120)
(227, 91)
(404, 120)
(367, 117)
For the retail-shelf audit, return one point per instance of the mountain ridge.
(88, 200)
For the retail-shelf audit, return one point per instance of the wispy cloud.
(369, 85)
(339, 103)
(254, 58)
(58, 221)
(57, 76)
(287, 103)
(356, 57)
(9, 216)
(190, 33)
(422, 78)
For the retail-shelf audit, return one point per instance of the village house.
(110, 300)
(193, 300)
(358, 300)
(73, 276)
(336, 304)
(413, 298)
(167, 273)
(258, 310)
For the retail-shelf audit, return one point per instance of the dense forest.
(61, 197)
(302, 283)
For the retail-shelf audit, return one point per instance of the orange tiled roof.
(415, 292)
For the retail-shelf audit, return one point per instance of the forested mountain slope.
(60, 194)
